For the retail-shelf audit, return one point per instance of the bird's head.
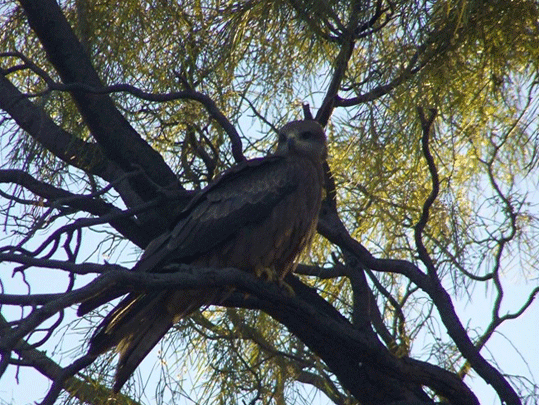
(305, 138)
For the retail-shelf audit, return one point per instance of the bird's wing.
(245, 194)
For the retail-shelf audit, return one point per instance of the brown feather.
(258, 215)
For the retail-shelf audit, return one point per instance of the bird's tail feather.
(139, 321)
(134, 348)
(100, 299)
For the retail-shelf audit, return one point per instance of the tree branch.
(87, 390)
(331, 227)
(323, 384)
(339, 70)
(187, 94)
(384, 89)
(58, 197)
(426, 124)
(120, 142)
(83, 155)
(362, 364)
(73, 151)
(439, 295)
(80, 268)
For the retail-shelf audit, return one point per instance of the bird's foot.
(287, 287)
(266, 274)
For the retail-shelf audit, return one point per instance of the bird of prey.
(257, 217)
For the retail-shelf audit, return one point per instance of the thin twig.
(187, 94)
(426, 124)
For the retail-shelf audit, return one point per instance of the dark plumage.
(257, 217)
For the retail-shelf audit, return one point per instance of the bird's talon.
(266, 274)
(287, 287)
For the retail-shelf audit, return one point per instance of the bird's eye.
(282, 138)
(306, 135)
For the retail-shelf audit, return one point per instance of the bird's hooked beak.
(291, 143)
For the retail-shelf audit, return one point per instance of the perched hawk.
(257, 217)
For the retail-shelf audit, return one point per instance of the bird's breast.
(276, 240)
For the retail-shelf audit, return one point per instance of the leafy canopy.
(365, 67)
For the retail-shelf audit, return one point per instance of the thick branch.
(187, 94)
(341, 64)
(120, 142)
(323, 384)
(83, 155)
(454, 327)
(362, 365)
(125, 226)
(86, 156)
(87, 391)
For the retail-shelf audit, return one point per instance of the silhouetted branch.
(322, 273)
(339, 70)
(119, 141)
(439, 295)
(62, 144)
(80, 268)
(324, 384)
(426, 124)
(383, 89)
(306, 311)
(187, 94)
(86, 390)
(63, 376)
(56, 197)
(331, 227)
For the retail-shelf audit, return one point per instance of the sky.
(513, 346)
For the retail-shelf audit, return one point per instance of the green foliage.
(474, 61)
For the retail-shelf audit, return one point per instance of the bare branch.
(65, 146)
(89, 203)
(87, 391)
(331, 227)
(120, 142)
(439, 295)
(495, 323)
(187, 94)
(82, 268)
(426, 124)
(384, 89)
(63, 376)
